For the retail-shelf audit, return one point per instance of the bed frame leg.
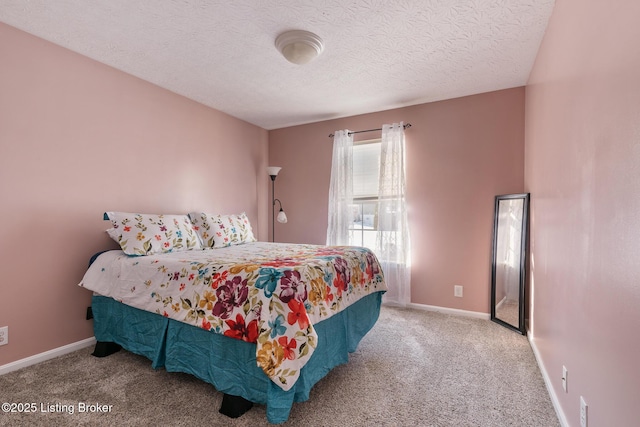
(234, 406)
(104, 349)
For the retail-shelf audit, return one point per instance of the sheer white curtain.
(340, 189)
(392, 241)
(513, 237)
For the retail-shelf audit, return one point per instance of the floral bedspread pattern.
(268, 293)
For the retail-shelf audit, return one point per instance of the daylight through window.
(364, 210)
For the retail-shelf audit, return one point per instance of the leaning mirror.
(510, 226)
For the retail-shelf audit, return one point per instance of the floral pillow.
(145, 234)
(218, 231)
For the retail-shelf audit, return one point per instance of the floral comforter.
(268, 293)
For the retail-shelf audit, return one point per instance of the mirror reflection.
(509, 245)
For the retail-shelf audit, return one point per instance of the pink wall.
(461, 153)
(583, 171)
(78, 138)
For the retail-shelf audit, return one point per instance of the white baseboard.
(37, 358)
(547, 382)
(446, 310)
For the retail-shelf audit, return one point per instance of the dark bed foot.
(234, 406)
(104, 349)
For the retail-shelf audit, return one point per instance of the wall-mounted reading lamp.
(282, 217)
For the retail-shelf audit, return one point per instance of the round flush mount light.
(299, 47)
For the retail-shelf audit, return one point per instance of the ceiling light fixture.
(298, 46)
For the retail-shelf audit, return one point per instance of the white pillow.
(145, 234)
(217, 231)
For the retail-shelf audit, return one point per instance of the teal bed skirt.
(226, 363)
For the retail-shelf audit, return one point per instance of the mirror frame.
(523, 257)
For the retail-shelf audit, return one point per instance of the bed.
(262, 322)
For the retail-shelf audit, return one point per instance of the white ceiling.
(378, 54)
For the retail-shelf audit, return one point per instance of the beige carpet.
(414, 368)
(509, 311)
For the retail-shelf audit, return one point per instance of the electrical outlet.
(583, 412)
(565, 373)
(457, 291)
(4, 335)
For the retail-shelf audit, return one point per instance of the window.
(367, 204)
(364, 210)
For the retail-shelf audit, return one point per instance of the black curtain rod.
(407, 126)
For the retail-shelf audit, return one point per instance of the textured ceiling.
(378, 54)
